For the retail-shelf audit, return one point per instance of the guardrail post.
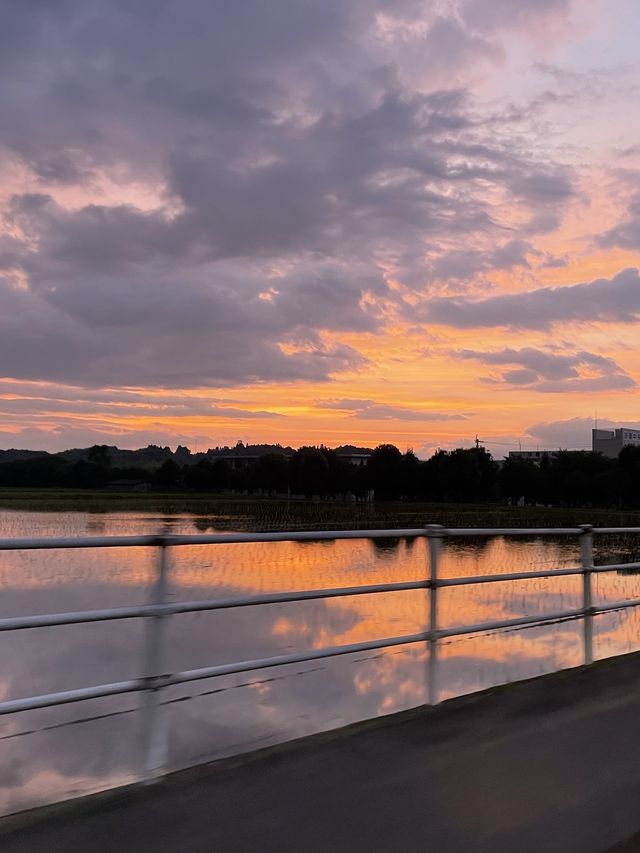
(434, 535)
(154, 721)
(586, 557)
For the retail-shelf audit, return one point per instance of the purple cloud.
(372, 411)
(602, 300)
(286, 160)
(554, 372)
(626, 234)
(570, 434)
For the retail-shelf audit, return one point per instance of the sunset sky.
(306, 221)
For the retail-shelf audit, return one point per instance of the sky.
(354, 221)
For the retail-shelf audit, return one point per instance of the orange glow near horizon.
(499, 170)
(413, 369)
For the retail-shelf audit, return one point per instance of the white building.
(532, 455)
(610, 442)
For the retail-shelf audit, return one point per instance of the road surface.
(547, 765)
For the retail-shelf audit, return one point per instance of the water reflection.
(47, 755)
(386, 546)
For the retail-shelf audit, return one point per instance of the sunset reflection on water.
(42, 760)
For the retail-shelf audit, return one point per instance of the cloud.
(629, 151)
(514, 14)
(463, 264)
(62, 416)
(132, 323)
(602, 300)
(626, 234)
(570, 434)
(69, 435)
(553, 372)
(370, 410)
(451, 45)
(180, 407)
(227, 192)
(555, 261)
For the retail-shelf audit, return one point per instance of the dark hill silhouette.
(464, 475)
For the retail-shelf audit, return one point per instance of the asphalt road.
(547, 765)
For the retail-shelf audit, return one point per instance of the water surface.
(55, 753)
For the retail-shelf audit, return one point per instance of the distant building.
(533, 455)
(610, 442)
(245, 455)
(129, 486)
(353, 455)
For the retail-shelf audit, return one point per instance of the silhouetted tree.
(571, 476)
(40, 472)
(182, 455)
(221, 475)
(168, 475)
(309, 472)
(464, 474)
(99, 455)
(384, 472)
(271, 472)
(575, 478)
(628, 476)
(433, 476)
(521, 478)
(411, 479)
(199, 477)
(340, 474)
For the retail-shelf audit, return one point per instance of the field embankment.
(251, 513)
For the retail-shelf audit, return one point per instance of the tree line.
(571, 478)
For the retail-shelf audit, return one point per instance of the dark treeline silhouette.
(571, 478)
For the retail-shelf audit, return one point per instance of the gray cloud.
(625, 234)
(512, 14)
(296, 158)
(45, 407)
(67, 434)
(149, 323)
(614, 300)
(570, 434)
(629, 151)
(451, 45)
(588, 85)
(554, 261)
(370, 410)
(463, 264)
(554, 372)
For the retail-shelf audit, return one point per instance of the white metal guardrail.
(154, 679)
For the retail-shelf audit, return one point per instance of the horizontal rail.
(618, 605)
(79, 617)
(510, 531)
(615, 567)
(540, 619)
(203, 539)
(47, 700)
(469, 580)
(280, 660)
(290, 536)
(15, 623)
(616, 530)
(154, 682)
